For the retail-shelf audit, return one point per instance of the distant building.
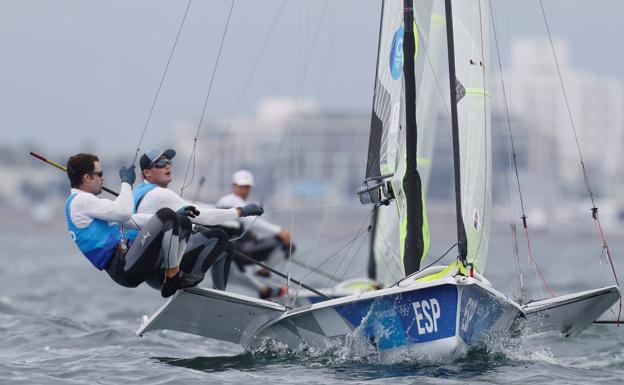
(297, 154)
(596, 104)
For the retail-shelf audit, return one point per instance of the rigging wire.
(332, 255)
(569, 110)
(202, 180)
(299, 92)
(301, 85)
(298, 89)
(358, 234)
(279, 273)
(385, 261)
(162, 80)
(348, 250)
(523, 297)
(201, 119)
(355, 254)
(594, 209)
(317, 271)
(508, 30)
(353, 145)
(524, 294)
(304, 66)
(337, 187)
(321, 88)
(255, 61)
(532, 260)
(513, 227)
(251, 74)
(428, 266)
(345, 169)
(393, 252)
(318, 208)
(367, 219)
(516, 254)
(394, 255)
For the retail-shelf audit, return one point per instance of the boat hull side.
(395, 322)
(483, 314)
(402, 319)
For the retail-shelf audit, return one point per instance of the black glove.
(127, 175)
(188, 211)
(250, 209)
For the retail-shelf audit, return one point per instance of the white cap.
(242, 178)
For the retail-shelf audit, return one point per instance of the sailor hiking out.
(107, 232)
(205, 248)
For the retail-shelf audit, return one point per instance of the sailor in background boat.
(205, 248)
(261, 237)
(102, 229)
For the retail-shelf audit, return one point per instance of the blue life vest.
(138, 195)
(96, 241)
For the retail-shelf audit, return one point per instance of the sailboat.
(436, 311)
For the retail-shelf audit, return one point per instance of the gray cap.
(152, 155)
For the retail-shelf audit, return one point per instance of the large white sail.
(470, 26)
(389, 116)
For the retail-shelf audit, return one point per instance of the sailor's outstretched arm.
(218, 216)
(119, 210)
(211, 217)
(260, 226)
(207, 216)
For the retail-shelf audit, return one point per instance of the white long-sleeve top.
(161, 197)
(260, 228)
(86, 207)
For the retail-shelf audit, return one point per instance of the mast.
(414, 243)
(461, 231)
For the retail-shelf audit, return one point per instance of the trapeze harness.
(97, 241)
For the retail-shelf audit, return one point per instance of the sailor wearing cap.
(106, 231)
(205, 248)
(266, 236)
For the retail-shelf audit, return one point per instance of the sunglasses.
(98, 173)
(161, 163)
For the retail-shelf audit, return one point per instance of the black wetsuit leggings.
(158, 245)
(206, 248)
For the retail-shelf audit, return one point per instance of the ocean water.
(63, 322)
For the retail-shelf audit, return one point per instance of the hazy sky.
(82, 74)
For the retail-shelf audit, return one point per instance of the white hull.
(212, 313)
(569, 314)
(436, 319)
